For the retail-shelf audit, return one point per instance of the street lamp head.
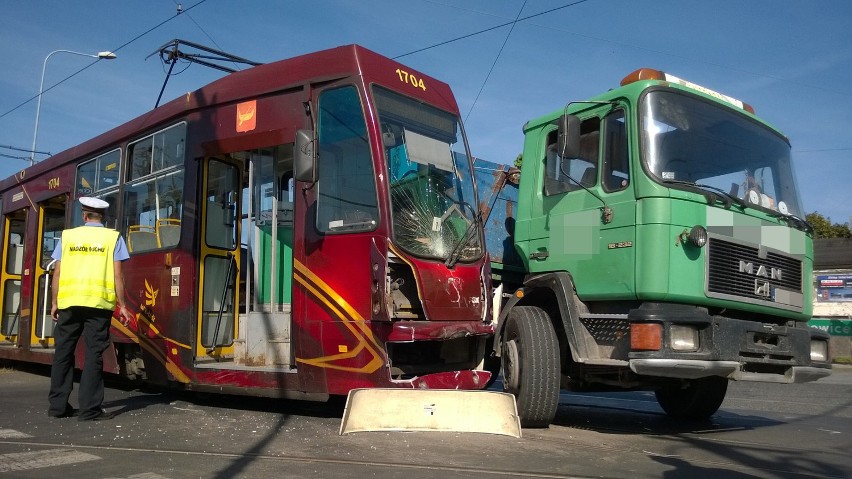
(105, 55)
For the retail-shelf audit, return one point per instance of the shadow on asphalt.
(143, 395)
(647, 418)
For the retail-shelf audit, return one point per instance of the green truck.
(652, 240)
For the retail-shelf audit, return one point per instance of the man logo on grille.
(761, 288)
(762, 271)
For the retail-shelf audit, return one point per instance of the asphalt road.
(762, 431)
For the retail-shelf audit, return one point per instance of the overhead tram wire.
(25, 158)
(631, 45)
(490, 28)
(25, 150)
(137, 37)
(181, 11)
(493, 64)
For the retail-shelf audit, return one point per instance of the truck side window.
(563, 174)
(616, 170)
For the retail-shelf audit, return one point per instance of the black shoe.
(69, 412)
(101, 416)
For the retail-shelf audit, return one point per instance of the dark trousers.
(93, 325)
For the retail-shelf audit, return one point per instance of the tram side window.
(98, 177)
(153, 196)
(346, 187)
(15, 246)
(160, 151)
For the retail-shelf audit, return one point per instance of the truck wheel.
(530, 364)
(695, 399)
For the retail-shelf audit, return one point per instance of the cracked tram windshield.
(431, 183)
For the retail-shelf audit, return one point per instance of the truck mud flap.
(450, 410)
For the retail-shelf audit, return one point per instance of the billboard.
(834, 327)
(834, 287)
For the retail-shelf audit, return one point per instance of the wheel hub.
(511, 365)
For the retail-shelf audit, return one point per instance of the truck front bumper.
(733, 348)
(692, 369)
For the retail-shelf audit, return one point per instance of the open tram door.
(51, 222)
(10, 277)
(247, 258)
(219, 258)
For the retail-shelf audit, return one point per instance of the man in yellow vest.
(86, 291)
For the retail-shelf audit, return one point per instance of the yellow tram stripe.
(145, 344)
(350, 318)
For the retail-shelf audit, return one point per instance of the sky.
(791, 60)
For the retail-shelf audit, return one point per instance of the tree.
(824, 228)
(519, 161)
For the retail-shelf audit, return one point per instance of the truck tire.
(695, 399)
(530, 365)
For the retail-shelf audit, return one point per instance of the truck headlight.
(819, 350)
(683, 338)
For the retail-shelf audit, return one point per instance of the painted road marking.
(22, 461)
(12, 434)
(144, 475)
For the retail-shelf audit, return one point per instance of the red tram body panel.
(244, 277)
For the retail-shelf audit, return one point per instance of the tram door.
(219, 258)
(264, 336)
(10, 276)
(51, 223)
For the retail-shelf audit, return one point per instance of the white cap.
(93, 204)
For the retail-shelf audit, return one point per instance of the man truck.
(654, 241)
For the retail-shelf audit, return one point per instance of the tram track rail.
(480, 471)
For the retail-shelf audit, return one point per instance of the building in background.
(833, 298)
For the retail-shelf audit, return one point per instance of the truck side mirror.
(305, 160)
(568, 141)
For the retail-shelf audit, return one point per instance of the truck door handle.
(540, 254)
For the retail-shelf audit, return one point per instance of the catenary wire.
(81, 70)
(493, 64)
(495, 27)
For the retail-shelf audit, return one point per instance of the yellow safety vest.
(86, 275)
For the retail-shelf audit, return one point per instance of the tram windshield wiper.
(472, 227)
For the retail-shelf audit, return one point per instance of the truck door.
(51, 223)
(219, 258)
(588, 228)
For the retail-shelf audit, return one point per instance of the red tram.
(297, 229)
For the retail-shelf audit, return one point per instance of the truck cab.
(657, 243)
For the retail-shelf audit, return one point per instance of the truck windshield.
(431, 186)
(691, 141)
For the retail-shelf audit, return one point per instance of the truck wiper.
(794, 220)
(729, 197)
(791, 219)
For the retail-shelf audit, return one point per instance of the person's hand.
(54, 312)
(125, 316)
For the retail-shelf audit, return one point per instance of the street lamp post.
(99, 56)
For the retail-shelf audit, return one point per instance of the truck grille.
(737, 270)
